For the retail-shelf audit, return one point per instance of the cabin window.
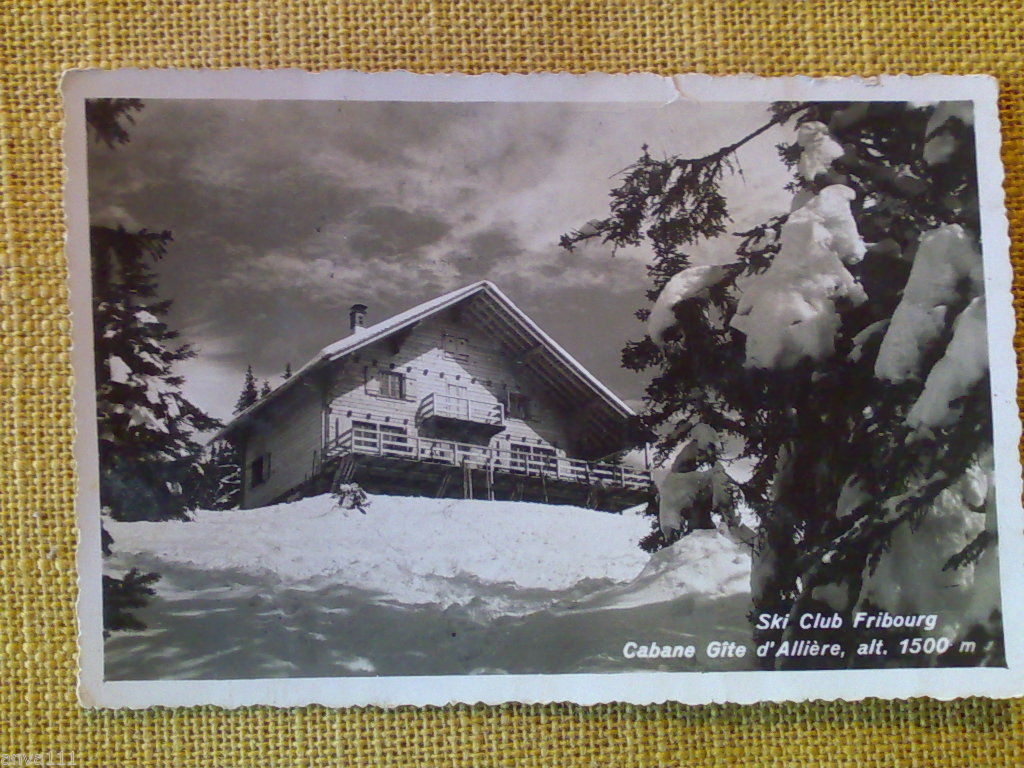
(259, 470)
(392, 385)
(455, 348)
(518, 406)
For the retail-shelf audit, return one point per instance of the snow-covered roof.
(364, 337)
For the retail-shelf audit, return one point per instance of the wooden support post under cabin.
(596, 494)
(343, 473)
(467, 480)
(444, 484)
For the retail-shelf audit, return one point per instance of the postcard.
(399, 389)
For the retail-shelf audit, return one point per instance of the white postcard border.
(639, 687)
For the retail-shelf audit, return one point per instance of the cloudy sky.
(286, 213)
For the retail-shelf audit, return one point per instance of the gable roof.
(546, 357)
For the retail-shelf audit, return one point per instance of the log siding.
(457, 370)
(482, 373)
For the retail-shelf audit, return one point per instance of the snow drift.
(418, 586)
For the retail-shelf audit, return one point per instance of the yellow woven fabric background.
(41, 38)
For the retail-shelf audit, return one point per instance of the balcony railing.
(436, 405)
(371, 441)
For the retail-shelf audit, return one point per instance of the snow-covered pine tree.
(287, 371)
(222, 477)
(265, 389)
(842, 354)
(249, 394)
(149, 458)
(146, 452)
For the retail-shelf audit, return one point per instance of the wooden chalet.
(462, 396)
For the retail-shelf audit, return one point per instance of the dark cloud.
(285, 213)
(391, 233)
(487, 250)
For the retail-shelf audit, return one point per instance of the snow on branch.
(947, 261)
(790, 311)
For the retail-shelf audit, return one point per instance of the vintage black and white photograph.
(393, 388)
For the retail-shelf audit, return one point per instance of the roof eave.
(241, 419)
(566, 359)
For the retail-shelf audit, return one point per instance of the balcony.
(456, 416)
(373, 441)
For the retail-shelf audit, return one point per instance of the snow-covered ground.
(419, 586)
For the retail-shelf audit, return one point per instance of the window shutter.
(371, 382)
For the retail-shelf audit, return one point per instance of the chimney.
(357, 317)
